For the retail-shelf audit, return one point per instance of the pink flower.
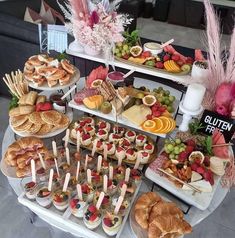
(94, 19)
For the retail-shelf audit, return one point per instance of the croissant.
(143, 207)
(165, 224)
(165, 208)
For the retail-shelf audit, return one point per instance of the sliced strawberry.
(86, 136)
(115, 136)
(145, 154)
(130, 133)
(200, 170)
(107, 222)
(58, 199)
(99, 144)
(102, 125)
(109, 146)
(92, 208)
(130, 151)
(141, 137)
(148, 147)
(93, 217)
(73, 203)
(102, 132)
(119, 149)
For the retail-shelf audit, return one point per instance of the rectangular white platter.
(72, 225)
(200, 200)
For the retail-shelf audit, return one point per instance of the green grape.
(182, 149)
(167, 92)
(167, 102)
(125, 47)
(119, 55)
(170, 147)
(160, 89)
(172, 156)
(167, 141)
(119, 44)
(117, 51)
(172, 98)
(170, 109)
(176, 150)
(178, 141)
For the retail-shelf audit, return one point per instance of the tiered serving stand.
(192, 214)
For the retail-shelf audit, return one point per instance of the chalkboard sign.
(211, 120)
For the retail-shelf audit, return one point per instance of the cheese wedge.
(202, 185)
(195, 176)
(137, 114)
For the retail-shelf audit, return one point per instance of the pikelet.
(24, 127)
(45, 129)
(64, 122)
(36, 118)
(51, 117)
(35, 128)
(18, 120)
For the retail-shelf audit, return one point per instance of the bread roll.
(29, 98)
(21, 110)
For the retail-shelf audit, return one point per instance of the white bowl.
(153, 47)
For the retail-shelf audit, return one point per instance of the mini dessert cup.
(102, 134)
(92, 217)
(104, 125)
(87, 121)
(130, 135)
(44, 196)
(105, 167)
(61, 199)
(131, 187)
(89, 129)
(119, 130)
(119, 172)
(148, 147)
(124, 207)
(88, 192)
(112, 186)
(86, 139)
(114, 138)
(77, 207)
(120, 153)
(42, 174)
(131, 154)
(100, 145)
(97, 178)
(125, 143)
(136, 176)
(111, 223)
(30, 188)
(110, 148)
(140, 140)
(106, 201)
(143, 156)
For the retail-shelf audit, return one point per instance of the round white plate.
(51, 134)
(45, 86)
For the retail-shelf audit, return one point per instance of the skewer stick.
(179, 180)
(50, 179)
(222, 145)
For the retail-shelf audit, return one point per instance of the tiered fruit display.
(184, 157)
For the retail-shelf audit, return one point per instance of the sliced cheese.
(202, 185)
(137, 114)
(195, 176)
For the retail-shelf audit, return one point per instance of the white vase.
(76, 46)
(90, 51)
(199, 74)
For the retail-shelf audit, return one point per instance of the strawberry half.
(92, 208)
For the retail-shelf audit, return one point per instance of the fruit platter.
(117, 142)
(191, 166)
(88, 194)
(44, 72)
(140, 108)
(154, 56)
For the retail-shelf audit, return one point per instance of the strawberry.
(130, 133)
(189, 149)
(93, 217)
(190, 142)
(102, 125)
(159, 65)
(73, 203)
(109, 146)
(182, 156)
(119, 149)
(46, 106)
(125, 142)
(148, 147)
(162, 109)
(197, 161)
(88, 128)
(102, 132)
(38, 106)
(200, 170)
(157, 114)
(145, 154)
(99, 144)
(86, 136)
(46, 193)
(92, 208)
(194, 167)
(107, 222)
(146, 54)
(115, 136)
(82, 123)
(79, 129)
(175, 57)
(30, 184)
(58, 199)
(166, 57)
(140, 137)
(149, 117)
(130, 151)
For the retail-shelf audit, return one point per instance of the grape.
(171, 156)
(178, 141)
(176, 150)
(171, 98)
(167, 102)
(119, 55)
(182, 149)
(176, 156)
(170, 147)
(170, 109)
(117, 51)
(160, 89)
(167, 141)
(125, 47)
(167, 92)
(119, 44)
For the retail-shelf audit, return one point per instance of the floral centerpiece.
(96, 29)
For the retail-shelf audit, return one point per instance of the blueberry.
(78, 206)
(87, 217)
(115, 219)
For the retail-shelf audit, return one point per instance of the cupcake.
(125, 143)
(149, 148)
(104, 125)
(88, 192)
(61, 199)
(30, 190)
(77, 207)
(89, 129)
(102, 134)
(120, 153)
(144, 156)
(100, 145)
(119, 130)
(92, 217)
(43, 197)
(110, 148)
(130, 135)
(140, 140)
(86, 139)
(131, 154)
(114, 138)
(111, 224)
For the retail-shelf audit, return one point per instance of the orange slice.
(173, 125)
(159, 124)
(166, 114)
(166, 124)
(149, 125)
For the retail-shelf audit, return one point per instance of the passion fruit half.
(136, 51)
(195, 156)
(96, 83)
(149, 100)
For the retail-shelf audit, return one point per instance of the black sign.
(211, 120)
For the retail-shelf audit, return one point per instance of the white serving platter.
(45, 86)
(72, 224)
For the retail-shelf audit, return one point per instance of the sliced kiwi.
(186, 67)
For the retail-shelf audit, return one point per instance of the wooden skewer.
(179, 180)
(221, 145)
